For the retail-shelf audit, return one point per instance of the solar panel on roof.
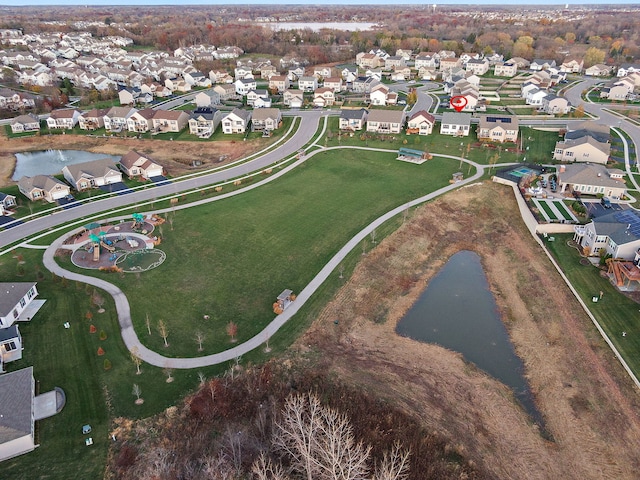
(499, 119)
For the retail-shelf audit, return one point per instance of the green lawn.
(540, 143)
(545, 206)
(615, 312)
(282, 233)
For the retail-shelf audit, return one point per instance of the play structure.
(138, 221)
(283, 301)
(624, 273)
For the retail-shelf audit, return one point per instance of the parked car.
(606, 203)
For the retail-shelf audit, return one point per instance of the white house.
(591, 179)
(421, 122)
(66, 118)
(17, 420)
(457, 124)
(236, 121)
(353, 119)
(385, 121)
(17, 302)
(245, 85)
(136, 165)
(617, 233)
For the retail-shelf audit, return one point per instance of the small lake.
(317, 26)
(457, 311)
(51, 162)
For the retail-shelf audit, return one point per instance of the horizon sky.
(106, 3)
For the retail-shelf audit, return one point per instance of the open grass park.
(226, 261)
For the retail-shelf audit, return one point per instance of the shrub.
(107, 364)
(100, 351)
(103, 335)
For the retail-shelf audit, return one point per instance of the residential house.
(542, 64)
(353, 119)
(591, 179)
(425, 59)
(334, 83)
(454, 123)
(505, 69)
(618, 90)
(307, 83)
(7, 202)
(265, 119)
(236, 121)
(478, 66)
(279, 83)
(18, 302)
(170, 120)
(615, 233)
(66, 118)
(293, 98)
(572, 65)
(598, 70)
(449, 63)
(520, 62)
(268, 71)
(400, 74)
(364, 84)
(220, 76)
(427, 73)
(243, 73)
(349, 73)
(378, 95)
(394, 61)
(92, 119)
(295, 73)
(553, 104)
(385, 121)
(204, 122)
(498, 128)
(245, 85)
(177, 85)
(136, 165)
(600, 132)
(321, 72)
(115, 120)
(535, 96)
(207, 98)
(197, 79)
(323, 97)
(584, 149)
(127, 96)
(421, 122)
(86, 175)
(17, 420)
(627, 68)
(369, 60)
(25, 123)
(404, 53)
(259, 98)
(10, 346)
(44, 187)
(227, 91)
(141, 121)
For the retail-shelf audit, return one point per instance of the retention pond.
(51, 162)
(458, 311)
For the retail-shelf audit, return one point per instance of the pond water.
(457, 311)
(51, 162)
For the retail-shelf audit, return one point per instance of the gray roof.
(509, 122)
(603, 147)
(598, 131)
(590, 174)
(11, 293)
(262, 114)
(16, 404)
(455, 118)
(615, 228)
(95, 168)
(243, 114)
(27, 118)
(42, 182)
(391, 116)
(358, 114)
(9, 333)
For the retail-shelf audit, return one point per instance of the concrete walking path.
(123, 310)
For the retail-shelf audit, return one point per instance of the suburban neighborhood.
(165, 173)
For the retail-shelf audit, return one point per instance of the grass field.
(615, 312)
(282, 233)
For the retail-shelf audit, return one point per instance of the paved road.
(124, 312)
(307, 129)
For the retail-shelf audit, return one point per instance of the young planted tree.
(168, 372)
(135, 358)
(232, 331)
(147, 322)
(137, 392)
(98, 300)
(202, 378)
(164, 333)
(199, 339)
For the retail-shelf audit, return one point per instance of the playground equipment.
(138, 220)
(106, 246)
(95, 241)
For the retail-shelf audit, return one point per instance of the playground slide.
(96, 252)
(111, 248)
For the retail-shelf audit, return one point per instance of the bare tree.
(147, 322)
(164, 333)
(98, 300)
(232, 331)
(373, 236)
(202, 378)
(199, 339)
(320, 441)
(135, 358)
(168, 371)
(267, 348)
(341, 270)
(394, 464)
(264, 469)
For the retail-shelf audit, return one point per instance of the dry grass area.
(176, 157)
(588, 403)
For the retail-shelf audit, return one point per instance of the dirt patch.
(176, 157)
(588, 403)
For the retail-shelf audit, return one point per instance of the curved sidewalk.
(124, 312)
